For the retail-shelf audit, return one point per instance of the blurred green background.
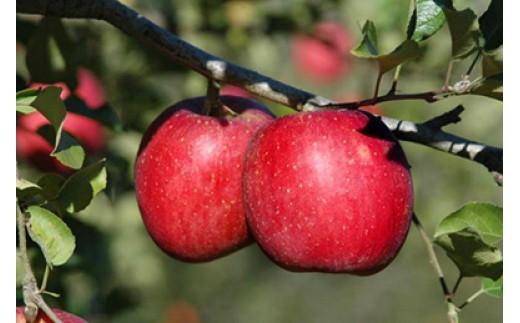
(119, 275)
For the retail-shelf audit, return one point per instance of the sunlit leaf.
(368, 49)
(24, 99)
(493, 288)
(484, 218)
(427, 19)
(52, 235)
(26, 189)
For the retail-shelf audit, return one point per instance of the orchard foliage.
(80, 231)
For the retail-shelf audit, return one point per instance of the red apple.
(328, 191)
(32, 147)
(324, 55)
(188, 176)
(43, 318)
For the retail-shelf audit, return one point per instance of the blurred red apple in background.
(32, 147)
(324, 55)
(181, 312)
(65, 317)
(235, 91)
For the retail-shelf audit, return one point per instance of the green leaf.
(472, 256)
(79, 189)
(26, 189)
(491, 86)
(51, 184)
(49, 104)
(52, 235)
(69, 151)
(491, 25)
(66, 149)
(484, 218)
(368, 48)
(491, 65)
(464, 34)
(493, 288)
(50, 54)
(427, 19)
(468, 234)
(408, 50)
(24, 99)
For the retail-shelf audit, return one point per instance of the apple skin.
(188, 176)
(65, 317)
(91, 134)
(323, 56)
(328, 191)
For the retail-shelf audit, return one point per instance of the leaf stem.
(378, 83)
(452, 310)
(393, 89)
(474, 62)
(471, 298)
(457, 283)
(448, 75)
(45, 278)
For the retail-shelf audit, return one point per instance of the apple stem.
(452, 309)
(212, 104)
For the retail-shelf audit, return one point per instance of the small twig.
(456, 286)
(452, 116)
(471, 299)
(378, 83)
(437, 267)
(430, 96)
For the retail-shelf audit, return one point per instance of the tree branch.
(183, 53)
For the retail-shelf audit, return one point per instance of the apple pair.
(325, 191)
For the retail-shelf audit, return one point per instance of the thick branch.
(176, 49)
(215, 68)
(489, 156)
